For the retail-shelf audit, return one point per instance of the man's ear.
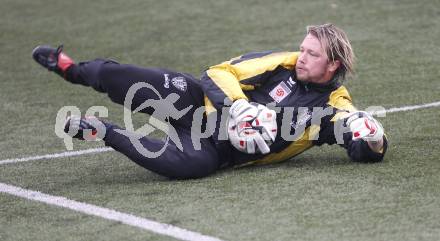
(334, 65)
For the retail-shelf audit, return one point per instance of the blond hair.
(336, 44)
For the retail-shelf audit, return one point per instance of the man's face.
(312, 64)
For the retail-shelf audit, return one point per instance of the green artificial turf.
(319, 195)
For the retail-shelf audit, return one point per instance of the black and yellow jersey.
(269, 78)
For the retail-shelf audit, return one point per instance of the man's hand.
(251, 127)
(364, 126)
(242, 109)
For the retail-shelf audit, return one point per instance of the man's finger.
(262, 145)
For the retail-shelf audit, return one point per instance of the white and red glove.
(251, 127)
(364, 126)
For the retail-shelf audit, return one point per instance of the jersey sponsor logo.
(166, 84)
(291, 82)
(280, 92)
(301, 119)
(180, 83)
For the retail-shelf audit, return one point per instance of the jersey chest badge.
(280, 92)
(180, 83)
(301, 120)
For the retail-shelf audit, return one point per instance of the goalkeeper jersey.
(269, 78)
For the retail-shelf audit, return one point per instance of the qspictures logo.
(294, 120)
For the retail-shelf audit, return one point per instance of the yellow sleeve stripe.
(224, 78)
(253, 67)
(341, 100)
(247, 87)
(209, 107)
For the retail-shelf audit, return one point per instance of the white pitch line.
(57, 155)
(409, 107)
(128, 219)
(105, 149)
(110, 214)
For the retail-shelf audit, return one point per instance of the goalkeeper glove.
(364, 126)
(251, 128)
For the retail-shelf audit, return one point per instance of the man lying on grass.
(256, 108)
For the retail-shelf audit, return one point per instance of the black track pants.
(116, 79)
